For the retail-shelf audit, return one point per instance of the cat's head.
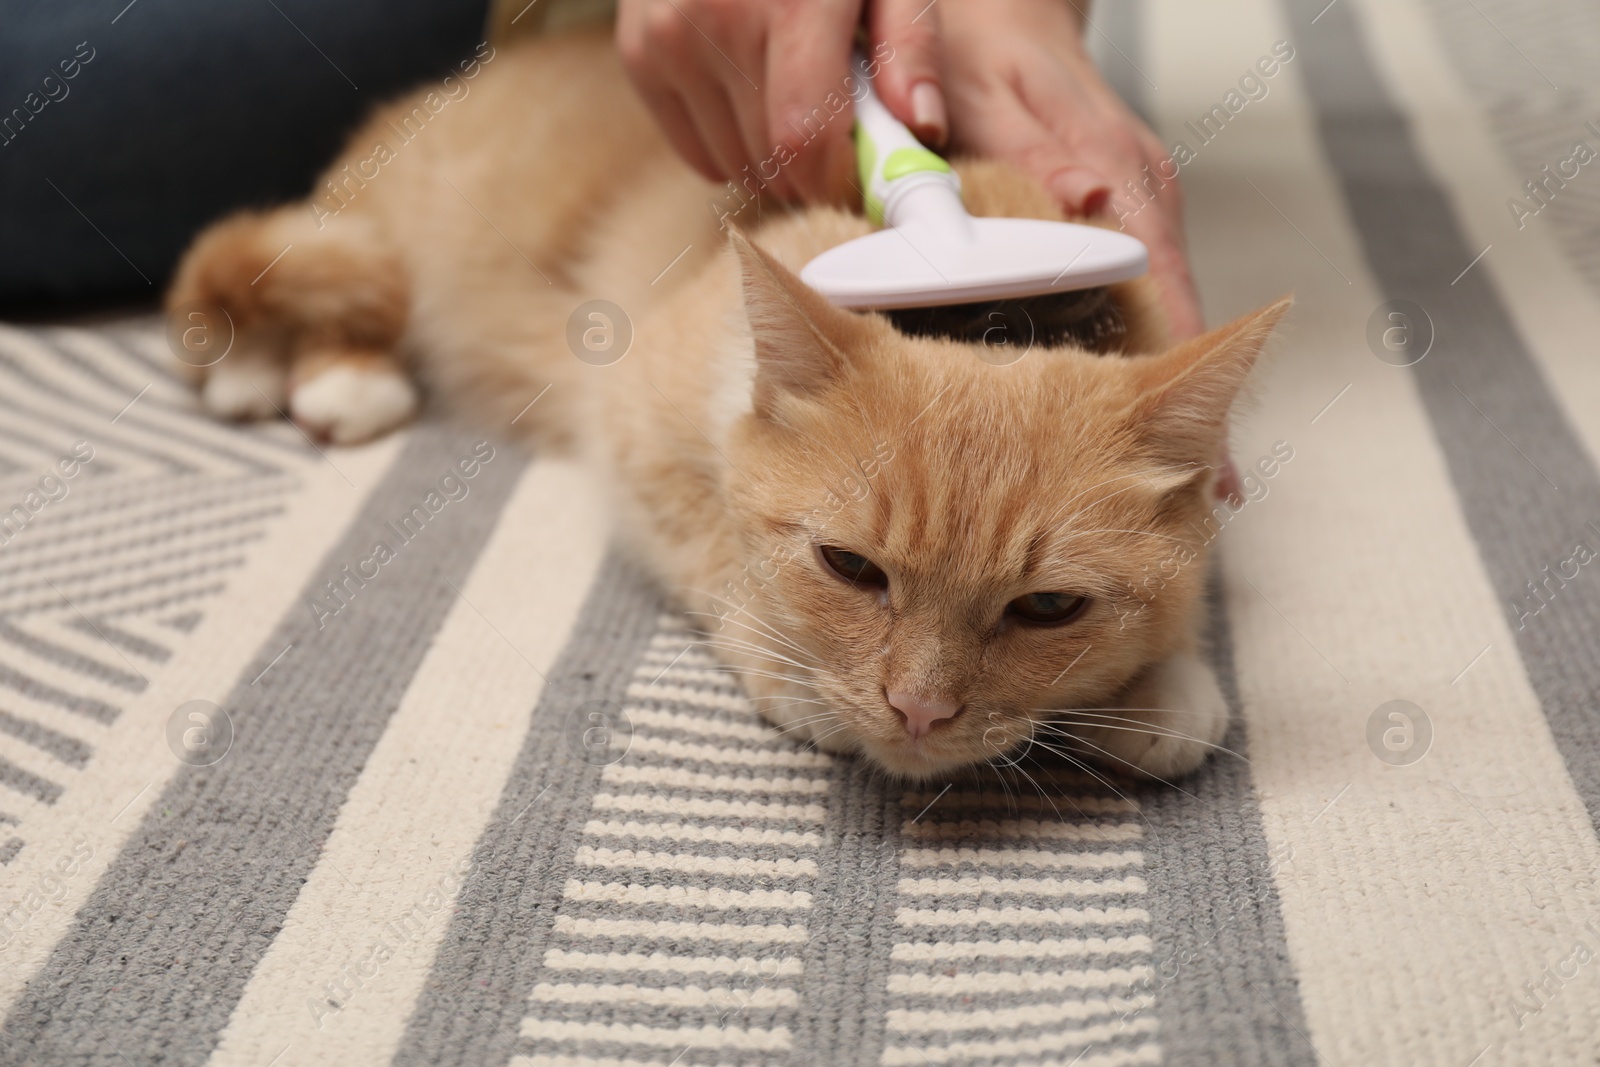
(951, 546)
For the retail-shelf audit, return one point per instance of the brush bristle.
(1083, 318)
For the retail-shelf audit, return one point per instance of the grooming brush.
(936, 270)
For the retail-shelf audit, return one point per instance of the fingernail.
(1081, 191)
(927, 112)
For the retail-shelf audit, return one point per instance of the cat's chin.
(913, 761)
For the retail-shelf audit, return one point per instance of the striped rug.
(264, 802)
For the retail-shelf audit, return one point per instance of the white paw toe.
(348, 405)
(244, 389)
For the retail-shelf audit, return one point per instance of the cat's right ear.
(1186, 393)
(801, 340)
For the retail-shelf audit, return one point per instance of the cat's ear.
(801, 340)
(1185, 394)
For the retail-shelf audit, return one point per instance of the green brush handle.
(889, 158)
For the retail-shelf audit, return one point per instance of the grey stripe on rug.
(1528, 498)
(157, 958)
(844, 996)
(1225, 988)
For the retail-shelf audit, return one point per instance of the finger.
(750, 112)
(1078, 184)
(711, 112)
(905, 39)
(675, 122)
(1013, 133)
(1080, 190)
(809, 110)
(729, 54)
(1170, 268)
(1121, 155)
(1180, 299)
(648, 37)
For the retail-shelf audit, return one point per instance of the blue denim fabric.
(125, 128)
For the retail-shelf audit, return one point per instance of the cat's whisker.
(1087, 768)
(762, 639)
(1136, 533)
(785, 669)
(768, 627)
(806, 721)
(1162, 469)
(792, 732)
(788, 704)
(1056, 728)
(1000, 775)
(794, 703)
(791, 697)
(1111, 710)
(787, 699)
(1065, 723)
(738, 609)
(771, 631)
(757, 672)
(1113, 756)
(731, 644)
(780, 701)
(1109, 496)
(774, 658)
(1044, 796)
(816, 742)
(732, 640)
(1072, 757)
(1139, 727)
(1034, 740)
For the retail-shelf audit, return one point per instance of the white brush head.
(925, 265)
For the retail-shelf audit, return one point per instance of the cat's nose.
(920, 714)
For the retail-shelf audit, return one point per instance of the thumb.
(905, 48)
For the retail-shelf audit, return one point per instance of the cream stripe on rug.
(132, 762)
(1408, 913)
(405, 835)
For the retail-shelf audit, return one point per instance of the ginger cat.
(904, 550)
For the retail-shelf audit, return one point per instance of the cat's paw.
(245, 388)
(348, 403)
(1173, 716)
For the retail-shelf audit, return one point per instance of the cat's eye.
(851, 566)
(1048, 609)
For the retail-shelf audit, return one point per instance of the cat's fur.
(751, 421)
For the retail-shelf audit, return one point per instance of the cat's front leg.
(1164, 724)
(318, 333)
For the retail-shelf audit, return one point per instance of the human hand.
(1021, 88)
(766, 84)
